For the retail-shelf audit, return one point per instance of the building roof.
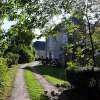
(39, 45)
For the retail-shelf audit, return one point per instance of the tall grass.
(8, 83)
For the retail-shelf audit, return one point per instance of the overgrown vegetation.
(12, 58)
(20, 43)
(53, 74)
(3, 72)
(34, 88)
(7, 78)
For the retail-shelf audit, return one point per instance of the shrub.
(27, 54)
(71, 65)
(3, 70)
(12, 58)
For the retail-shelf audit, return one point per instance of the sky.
(7, 24)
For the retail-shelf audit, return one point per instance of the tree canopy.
(31, 14)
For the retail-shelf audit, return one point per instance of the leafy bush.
(27, 54)
(9, 81)
(12, 58)
(71, 65)
(3, 70)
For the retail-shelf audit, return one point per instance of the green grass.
(54, 80)
(34, 88)
(8, 83)
(53, 75)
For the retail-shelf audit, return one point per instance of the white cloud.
(8, 24)
(37, 32)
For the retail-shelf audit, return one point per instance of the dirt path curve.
(19, 91)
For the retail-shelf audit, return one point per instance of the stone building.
(54, 45)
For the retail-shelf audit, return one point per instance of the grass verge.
(8, 83)
(53, 75)
(34, 88)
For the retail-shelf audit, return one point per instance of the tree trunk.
(91, 40)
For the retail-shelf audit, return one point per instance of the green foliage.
(71, 65)
(3, 47)
(21, 43)
(6, 78)
(96, 40)
(3, 71)
(35, 89)
(3, 43)
(27, 54)
(6, 88)
(71, 27)
(12, 58)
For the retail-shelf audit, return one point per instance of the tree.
(87, 11)
(20, 42)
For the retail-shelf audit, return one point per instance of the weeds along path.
(19, 91)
